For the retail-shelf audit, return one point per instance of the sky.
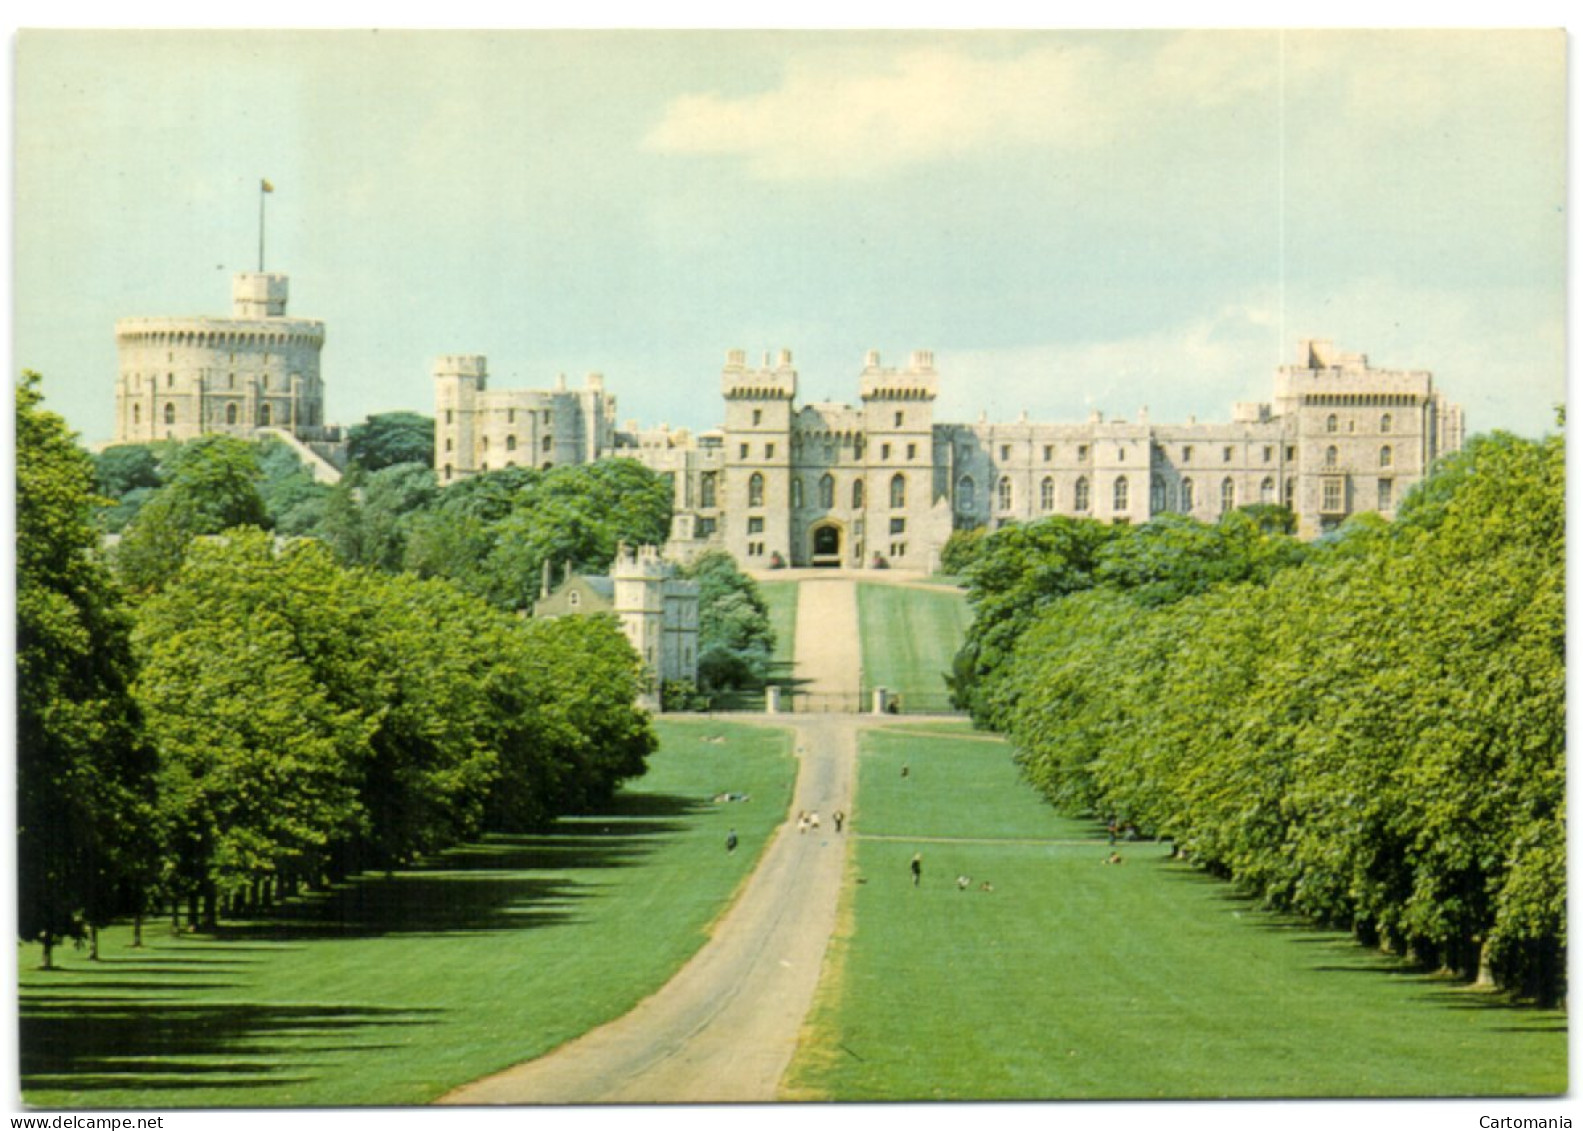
(1071, 221)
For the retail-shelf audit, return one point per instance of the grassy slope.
(1074, 979)
(395, 990)
(909, 638)
(781, 597)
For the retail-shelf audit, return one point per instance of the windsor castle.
(878, 484)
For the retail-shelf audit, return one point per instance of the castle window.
(230, 414)
(1082, 451)
(1225, 454)
(450, 417)
(1291, 453)
(1228, 495)
(1005, 453)
(1187, 495)
(898, 526)
(264, 416)
(1385, 422)
(706, 489)
(231, 382)
(912, 451)
(1330, 423)
(1156, 494)
(1269, 452)
(1385, 456)
(857, 494)
(899, 418)
(1080, 494)
(898, 490)
(574, 599)
(1120, 495)
(1331, 502)
(170, 380)
(548, 443)
(1330, 456)
(758, 416)
(448, 473)
(1385, 494)
(827, 491)
(1047, 494)
(884, 451)
(769, 451)
(447, 443)
(170, 413)
(1291, 492)
(1049, 452)
(756, 490)
(742, 451)
(511, 443)
(1003, 493)
(484, 443)
(796, 492)
(964, 493)
(137, 414)
(1267, 490)
(756, 524)
(266, 381)
(1187, 454)
(511, 416)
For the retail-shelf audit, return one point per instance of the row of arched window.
(1333, 423)
(827, 491)
(1387, 457)
(546, 444)
(1121, 494)
(232, 414)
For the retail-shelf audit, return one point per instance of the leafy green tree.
(293, 498)
(84, 773)
(368, 517)
(735, 639)
(211, 486)
(125, 475)
(390, 438)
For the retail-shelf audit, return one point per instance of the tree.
(84, 773)
(735, 640)
(390, 438)
(369, 516)
(211, 486)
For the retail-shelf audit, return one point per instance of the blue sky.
(1071, 221)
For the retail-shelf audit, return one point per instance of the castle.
(254, 373)
(879, 484)
(882, 485)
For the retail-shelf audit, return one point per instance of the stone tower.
(181, 378)
(757, 439)
(899, 472)
(458, 379)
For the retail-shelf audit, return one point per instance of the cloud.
(840, 115)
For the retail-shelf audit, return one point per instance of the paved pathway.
(725, 1027)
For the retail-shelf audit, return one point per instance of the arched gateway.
(825, 545)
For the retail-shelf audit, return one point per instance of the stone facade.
(477, 428)
(181, 378)
(881, 484)
(657, 610)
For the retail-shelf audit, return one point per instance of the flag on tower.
(266, 186)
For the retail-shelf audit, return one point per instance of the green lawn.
(910, 635)
(393, 991)
(1077, 979)
(781, 597)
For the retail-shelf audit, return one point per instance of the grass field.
(910, 635)
(394, 990)
(1077, 979)
(781, 597)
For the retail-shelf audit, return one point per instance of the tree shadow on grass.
(86, 1046)
(499, 883)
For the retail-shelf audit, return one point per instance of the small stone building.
(657, 610)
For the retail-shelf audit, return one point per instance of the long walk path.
(828, 651)
(725, 1027)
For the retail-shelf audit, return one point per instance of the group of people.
(809, 819)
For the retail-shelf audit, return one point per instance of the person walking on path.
(731, 841)
(840, 818)
(917, 868)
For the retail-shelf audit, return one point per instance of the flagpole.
(263, 190)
